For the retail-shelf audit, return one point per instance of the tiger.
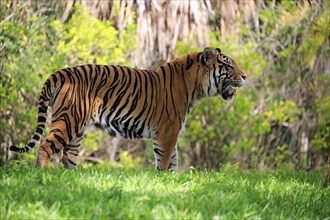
(130, 103)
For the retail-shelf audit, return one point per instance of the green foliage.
(85, 39)
(28, 59)
(99, 193)
(127, 161)
(282, 112)
(321, 139)
(92, 140)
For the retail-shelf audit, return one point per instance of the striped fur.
(130, 103)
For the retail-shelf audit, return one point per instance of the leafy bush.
(28, 57)
(85, 39)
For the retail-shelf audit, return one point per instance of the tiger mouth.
(228, 93)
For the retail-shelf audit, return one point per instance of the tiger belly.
(125, 128)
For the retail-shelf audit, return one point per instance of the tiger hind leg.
(57, 139)
(71, 151)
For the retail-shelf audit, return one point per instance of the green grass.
(100, 193)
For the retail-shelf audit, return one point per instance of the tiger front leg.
(165, 151)
(174, 160)
(159, 158)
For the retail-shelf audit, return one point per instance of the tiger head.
(224, 73)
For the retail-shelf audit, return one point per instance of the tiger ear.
(209, 56)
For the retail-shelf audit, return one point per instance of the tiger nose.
(244, 76)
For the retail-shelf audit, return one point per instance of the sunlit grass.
(99, 193)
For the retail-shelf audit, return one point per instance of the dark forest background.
(280, 119)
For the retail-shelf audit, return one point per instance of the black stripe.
(60, 139)
(164, 75)
(36, 137)
(56, 130)
(54, 78)
(73, 146)
(203, 60)
(158, 151)
(43, 96)
(31, 144)
(52, 146)
(189, 62)
(80, 134)
(41, 119)
(198, 56)
(171, 87)
(39, 129)
(43, 105)
(74, 154)
(166, 107)
(42, 110)
(107, 69)
(185, 84)
(73, 163)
